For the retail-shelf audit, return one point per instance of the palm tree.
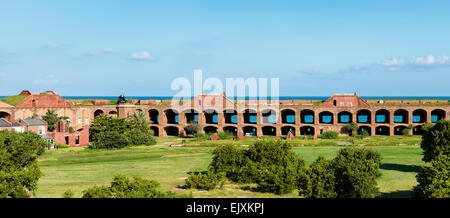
(137, 116)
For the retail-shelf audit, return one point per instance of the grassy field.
(80, 168)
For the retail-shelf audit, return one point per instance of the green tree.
(319, 180)
(138, 116)
(192, 128)
(19, 170)
(434, 181)
(51, 117)
(436, 141)
(113, 132)
(352, 128)
(356, 171)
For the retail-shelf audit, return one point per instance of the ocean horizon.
(280, 98)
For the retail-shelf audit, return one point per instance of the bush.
(271, 164)
(352, 128)
(434, 181)
(319, 180)
(205, 180)
(110, 132)
(60, 146)
(68, 194)
(123, 187)
(352, 174)
(192, 128)
(329, 135)
(228, 159)
(140, 137)
(224, 135)
(19, 169)
(109, 140)
(362, 135)
(356, 171)
(436, 141)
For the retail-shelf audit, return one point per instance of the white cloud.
(48, 79)
(431, 60)
(393, 62)
(141, 56)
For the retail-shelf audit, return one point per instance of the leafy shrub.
(224, 135)
(206, 181)
(60, 146)
(123, 187)
(362, 135)
(19, 170)
(319, 180)
(109, 140)
(227, 159)
(271, 164)
(203, 136)
(111, 132)
(192, 128)
(434, 181)
(436, 141)
(329, 135)
(356, 171)
(140, 137)
(352, 174)
(68, 194)
(352, 128)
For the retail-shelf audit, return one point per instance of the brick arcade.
(251, 117)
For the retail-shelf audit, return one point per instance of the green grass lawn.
(80, 168)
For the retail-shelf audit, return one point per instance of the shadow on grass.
(401, 167)
(396, 194)
(252, 189)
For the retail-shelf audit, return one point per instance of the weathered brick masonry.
(215, 112)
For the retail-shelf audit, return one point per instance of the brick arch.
(7, 116)
(153, 115)
(98, 112)
(307, 112)
(287, 112)
(286, 129)
(247, 128)
(345, 113)
(439, 113)
(364, 112)
(155, 130)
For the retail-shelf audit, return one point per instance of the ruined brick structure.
(244, 117)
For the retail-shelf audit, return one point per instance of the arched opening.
(112, 113)
(307, 116)
(191, 115)
(382, 130)
(5, 116)
(382, 116)
(154, 116)
(171, 131)
(210, 129)
(419, 116)
(345, 117)
(171, 116)
(398, 130)
(417, 130)
(269, 116)
(326, 117)
(363, 129)
(231, 129)
(155, 130)
(249, 130)
(269, 131)
(286, 129)
(288, 116)
(211, 116)
(401, 116)
(98, 113)
(230, 116)
(250, 116)
(363, 116)
(437, 115)
(306, 130)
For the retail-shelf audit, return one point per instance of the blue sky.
(100, 47)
